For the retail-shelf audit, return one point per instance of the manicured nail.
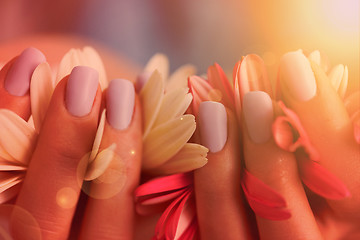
(296, 72)
(259, 115)
(213, 125)
(18, 78)
(120, 101)
(141, 80)
(81, 90)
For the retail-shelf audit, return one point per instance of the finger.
(278, 170)
(15, 81)
(219, 203)
(110, 211)
(308, 91)
(52, 184)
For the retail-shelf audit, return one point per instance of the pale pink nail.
(258, 114)
(81, 90)
(296, 73)
(213, 125)
(17, 81)
(120, 101)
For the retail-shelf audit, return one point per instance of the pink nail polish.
(120, 101)
(18, 78)
(81, 90)
(213, 125)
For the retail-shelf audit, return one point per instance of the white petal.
(164, 141)
(179, 79)
(17, 137)
(336, 75)
(151, 96)
(160, 63)
(344, 83)
(174, 104)
(94, 61)
(41, 89)
(98, 137)
(100, 164)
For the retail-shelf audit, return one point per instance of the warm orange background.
(198, 32)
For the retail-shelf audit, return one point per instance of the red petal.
(164, 184)
(264, 201)
(190, 231)
(217, 78)
(303, 139)
(321, 181)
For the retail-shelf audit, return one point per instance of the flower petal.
(344, 83)
(192, 156)
(10, 166)
(85, 57)
(282, 134)
(41, 89)
(164, 184)
(160, 63)
(166, 140)
(17, 137)
(93, 59)
(319, 59)
(98, 137)
(218, 79)
(336, 75)
(8, 180)
(253, 76)
(97, 167)
(9, 193)
(151, 96)
(179, 78)
(321, 181)
(173, 105)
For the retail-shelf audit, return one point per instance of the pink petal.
(321, 181)
(303, 139)
(263, 200)
(217, 78)
(190, 231)
(161, 224)
(282, 133)
(9, 194)
(237, 97)
(201, 91)
(164, 184)
(182, 217)
(164, 197)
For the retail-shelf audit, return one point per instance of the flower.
(166, 129)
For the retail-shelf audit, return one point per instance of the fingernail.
(259, 115)
(213, 125)
(120, 101)
(296, 72)
(141, 80)
(18, 78)
(81, 90)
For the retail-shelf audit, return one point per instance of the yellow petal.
(84, 57)
(192, 156)
(164, 141)
(97, 167)
(41, 89)
(174, 104)
(160, 63)
(17, 137)
(67, 63)
(319, 59)
(151, 97)
(344, 83)
(98, 137)
(179, 79)
(336, 75)
(94, 60)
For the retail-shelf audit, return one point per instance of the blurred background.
(198, 32)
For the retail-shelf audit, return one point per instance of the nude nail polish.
(297, 75)
(81, 90)
(17, 81)
(120, 101)
(259, 115)
(213, 125)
